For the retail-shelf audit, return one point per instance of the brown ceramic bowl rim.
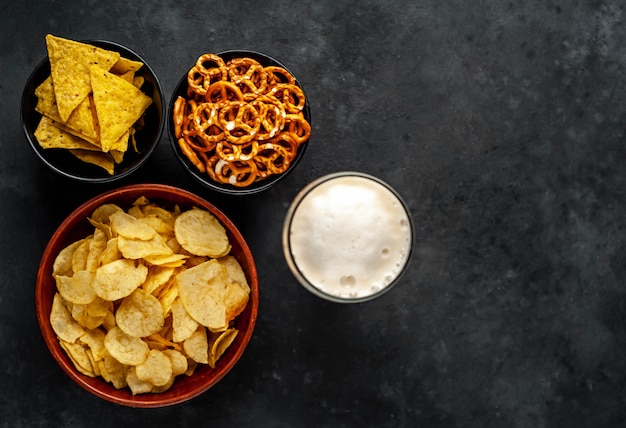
(72, 228)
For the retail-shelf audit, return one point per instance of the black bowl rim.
(204, 179)
(116, 176)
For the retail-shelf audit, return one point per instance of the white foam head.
(347, 237)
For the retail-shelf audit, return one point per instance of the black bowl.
(205, 179)
(66, 164)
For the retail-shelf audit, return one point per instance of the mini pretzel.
(179, 115)
(191, 155)
(290, 95)
(223, 91)
(277, 75)
(299, 129)
(205, 122)
(240, 122)
(235, 152)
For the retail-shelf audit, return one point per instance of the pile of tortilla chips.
(147, 296)
(91, 104)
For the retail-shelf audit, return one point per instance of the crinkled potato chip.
(135, 307)
(133, 248)
(130, 227)
(77, 288)
(183, 325)
(118, 279)
(63, 262)
(136, 385)
(78, 354)
(197, 346)
(200, 233)
(219, 343)
(140, 314)
(65, 327)
(124, 348)
(201, 289)
(156, 369)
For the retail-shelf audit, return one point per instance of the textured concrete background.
(501, 124)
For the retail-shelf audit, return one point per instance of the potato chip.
(130, 227)
(136, 385)
(133, 248)
(77, 353)
(77, 288)
(178, 361)
(112, 371)
(197, 346)
(201, 290)
(103, 213)
(97, 245)
(70, 62)
(80, 313)
(63, 262)
(169, 260)
(156, 369)
(118, 279)
(183, 325)
(65, 327)
(200, 233)
(124, 348)
(94, 340)
(119, 104)
(237, 290)
(110, 253)
(157, 276)
(80, 255)
(219, 343)
(140, 314)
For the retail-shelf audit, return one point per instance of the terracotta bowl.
(64, 163)
(204, 178)
(76, 226)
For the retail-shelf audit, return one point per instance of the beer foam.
(350, 236)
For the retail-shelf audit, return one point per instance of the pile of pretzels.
(240, 122)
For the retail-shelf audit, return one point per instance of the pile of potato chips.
(91, 104)
(148, 296)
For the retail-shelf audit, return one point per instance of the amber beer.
(347, 237)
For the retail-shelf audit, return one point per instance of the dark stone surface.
(501, 124)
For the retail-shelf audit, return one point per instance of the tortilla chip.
(81, 121)
(51, 135)
(69, 65)
(125, 65)
(118, 105)
(103, 160)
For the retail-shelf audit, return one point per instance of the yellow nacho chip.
(50, 135)
(103, 160)
(119, 104)
(69, 66)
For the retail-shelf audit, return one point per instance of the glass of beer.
(348, 237)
